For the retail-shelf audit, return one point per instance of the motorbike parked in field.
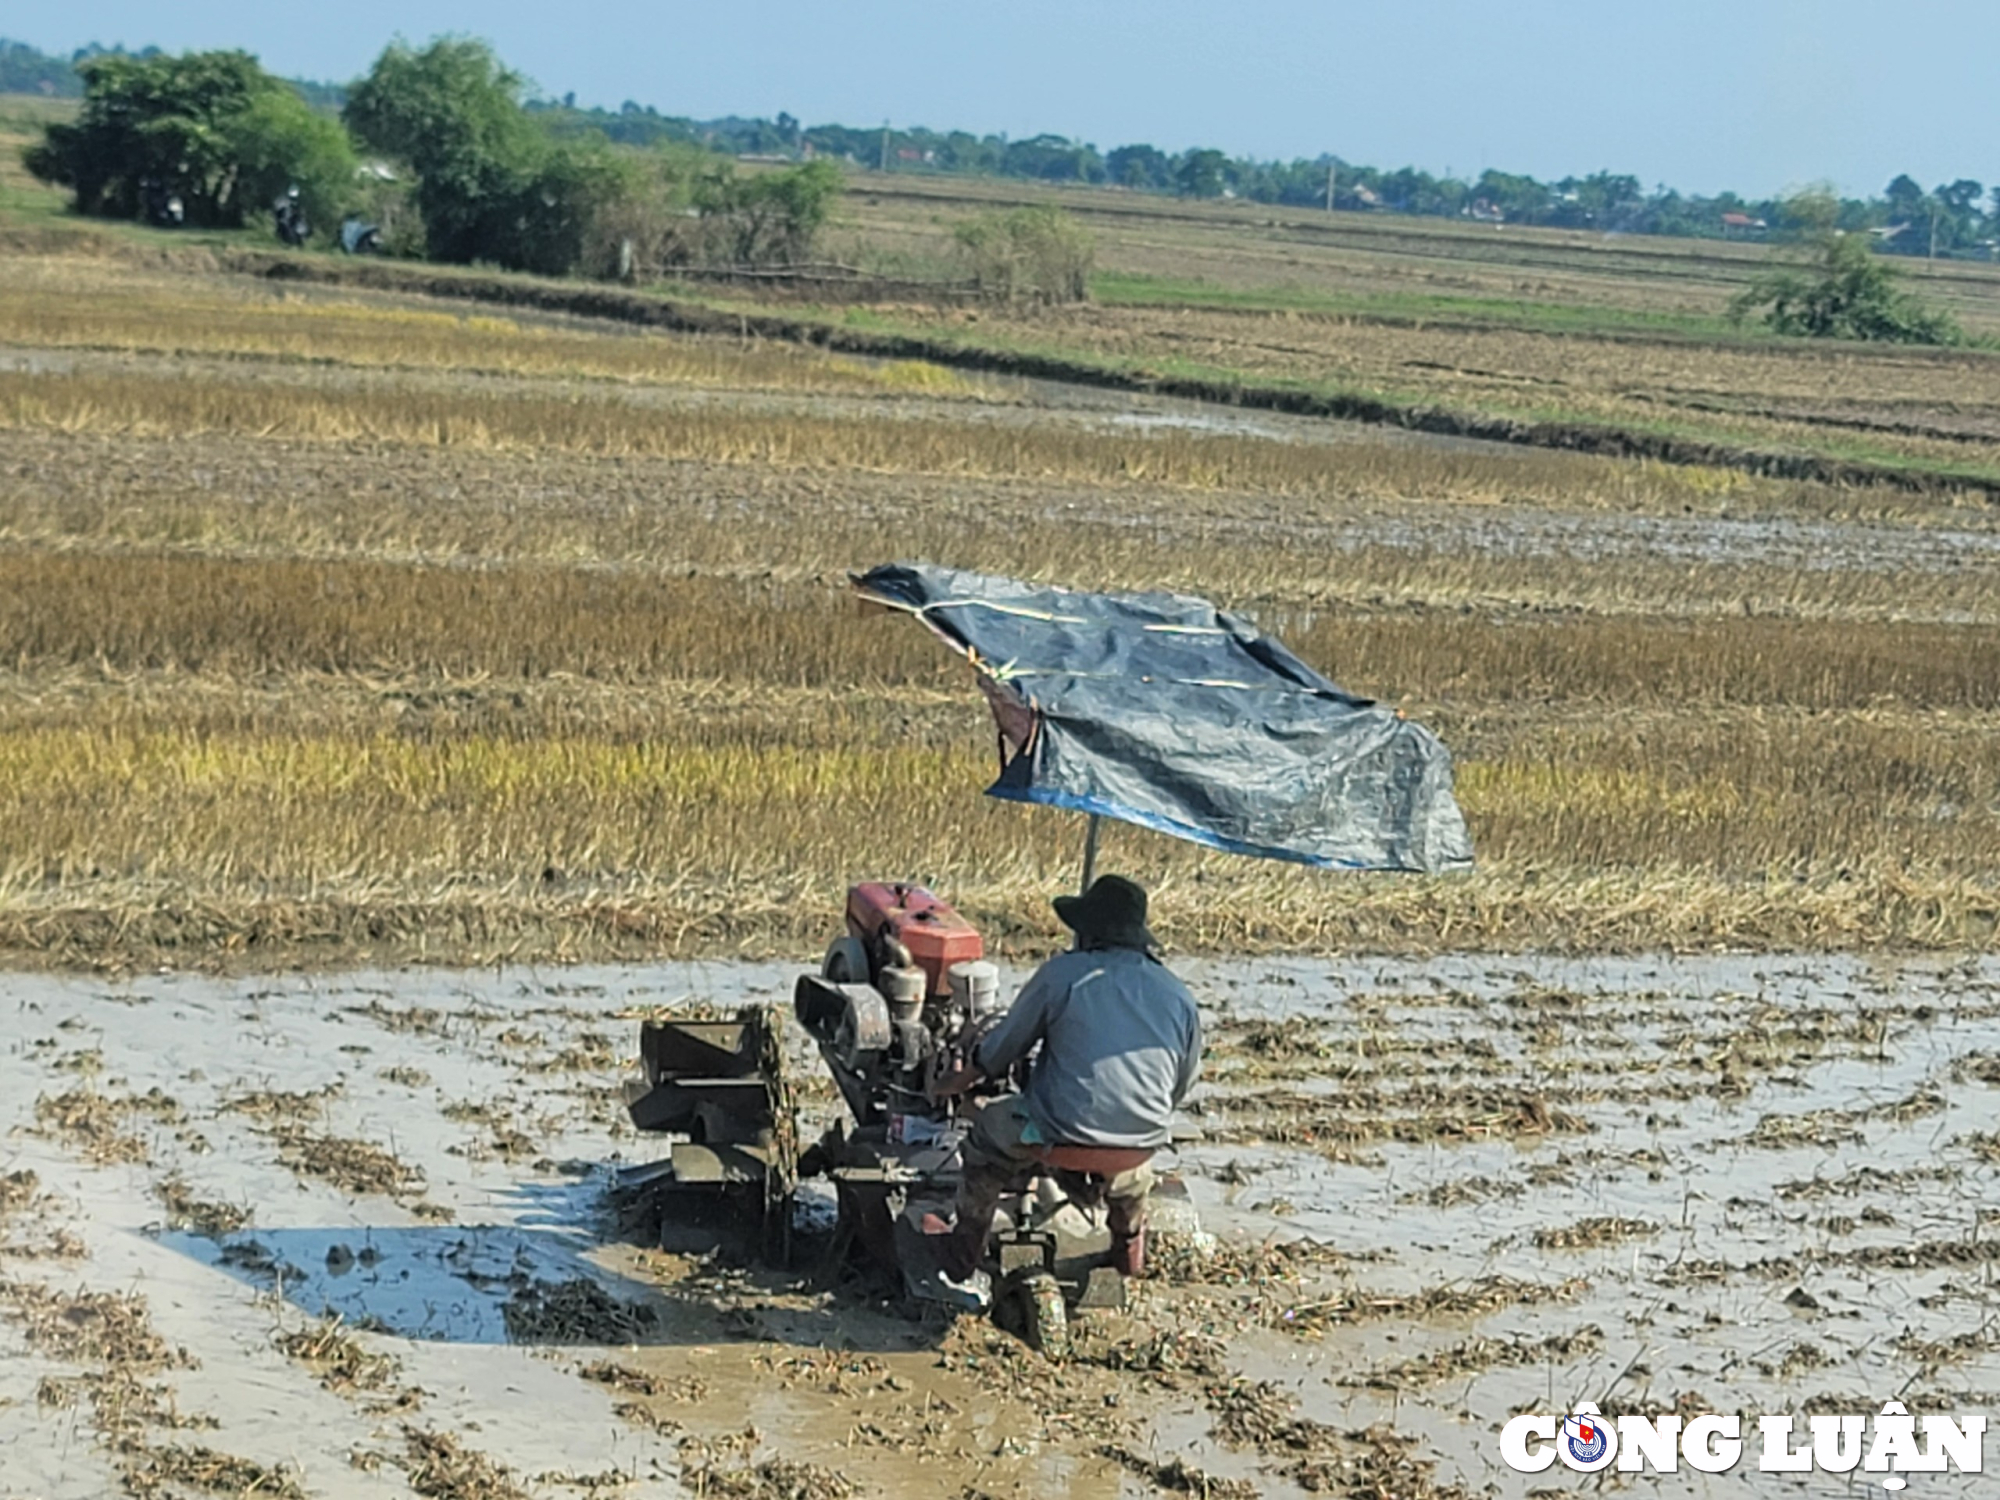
(289, 218)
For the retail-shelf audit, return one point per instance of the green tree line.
(1961, 217)
(480, 177)
(1957, 218)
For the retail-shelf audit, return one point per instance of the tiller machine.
(894, 996)
(1153, 709)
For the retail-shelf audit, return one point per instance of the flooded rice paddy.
(357, 1235)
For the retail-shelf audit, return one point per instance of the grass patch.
(1138, 289)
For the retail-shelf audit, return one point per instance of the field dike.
(686, 317)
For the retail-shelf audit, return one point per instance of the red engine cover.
(936, 936)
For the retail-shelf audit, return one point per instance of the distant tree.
(492, 183)
(1052, 158)
(1908, 208)
(1522, 199)
(1139, 167)
(212, 128)
(1838, 288)
(28, 70)
(1040, 254)
(770, 218)
(281, 143)
(1200, 174)
(453, 113)
(961, 151)
(1904, 197)
(1958, 220)
(1604, 200)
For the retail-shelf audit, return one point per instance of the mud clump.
(354, 1167)
(1460, 1190)
(1335, 1125)
(199, 1215)
(1191, 1261)
(297, 1105)
(575, 1312)
(1477, 1298)
(122, 1404)
(90, 1328)
(1070, 1399)
(592, 1053)
(1271, 1048)
(93, 1124)
(687, 1389)
(1875, 1180)
(1372, 1464)
(505, 1139)
(1588, 1234)
(1164, 1354)
(773, 1479)
(166, 1471)
(1473, 1356)
(112, 1336)
(342, 1362)
(1983, 1144)
(836, 1372)
(442, 1468)
(17, 1190)
(1176, 1476)
(1980, 1067)
(415, 1019)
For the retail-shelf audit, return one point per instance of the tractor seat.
(1094, 1161)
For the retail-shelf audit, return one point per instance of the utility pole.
(1330, 170)
(885, 145)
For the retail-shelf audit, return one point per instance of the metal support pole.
(1090, 852)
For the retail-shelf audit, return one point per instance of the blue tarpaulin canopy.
(1161, 710)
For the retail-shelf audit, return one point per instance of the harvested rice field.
(354, 626)
(402, 696)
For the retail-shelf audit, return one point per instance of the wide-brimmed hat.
(1111, 914)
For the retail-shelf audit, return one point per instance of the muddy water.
(1718, 1183)
(1794, 1146)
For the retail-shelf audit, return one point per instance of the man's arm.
(1190, 1068)
(1019, 1030)
(1001, 1046)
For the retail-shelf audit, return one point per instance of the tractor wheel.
(846, 961)
(1044, 1315)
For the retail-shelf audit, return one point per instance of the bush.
(653, 215)
(279, 144)
(1038, 254)
(1840, 289)
(769, 219)
(212, 128)
(491, 184)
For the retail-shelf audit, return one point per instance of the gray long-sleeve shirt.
(1121, 1045)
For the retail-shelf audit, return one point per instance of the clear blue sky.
(1756, 95)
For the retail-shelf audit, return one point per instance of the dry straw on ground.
(470, 668)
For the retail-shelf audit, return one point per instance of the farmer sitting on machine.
(1120, 1048)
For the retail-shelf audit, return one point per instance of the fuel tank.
(936, 936)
